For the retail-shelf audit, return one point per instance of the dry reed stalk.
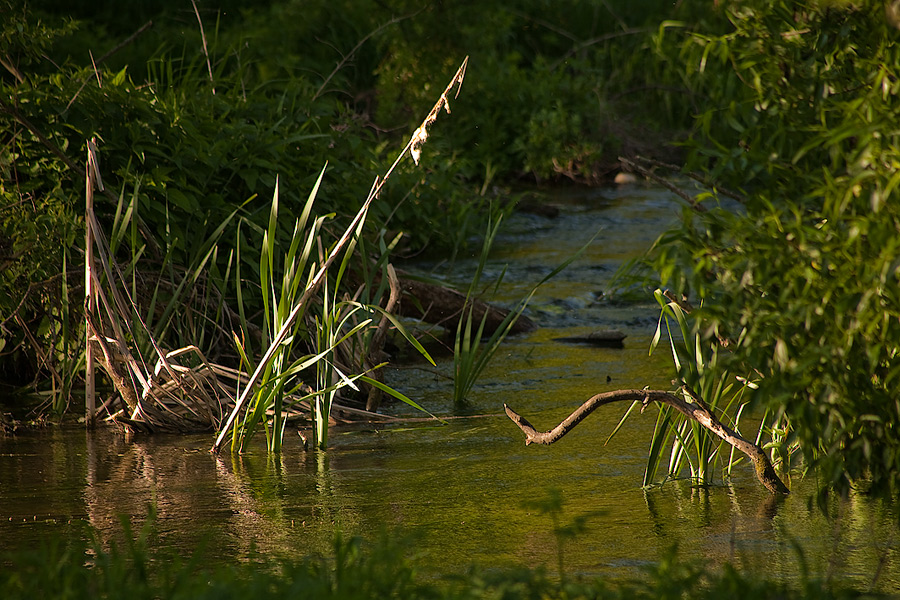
(205, 49)
(413, 146)
(172, 397)
(92, 177)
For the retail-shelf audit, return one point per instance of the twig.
(633, 166)
(126, 41)
(205, 50)
(37, 349)
(96, 72)
(23, 120)
(92, 177)
(31, 288)
(393, 297)
(100, 60)
(375, 350)
(696, 177)
(7, 64)
(682, 302)
(698, 412)
(596, 40)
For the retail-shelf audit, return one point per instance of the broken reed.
(303, 308)
(134, 310)
(268, 380)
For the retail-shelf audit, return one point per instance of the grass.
(354, 569)
(134, 308)
(306, 283)
(472, 352)
(307, 312)
(700, 379)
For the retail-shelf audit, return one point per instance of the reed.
(279, 298)
(135, 310)
(310, 353)
(306, 312)
(703, 379)
(306, 283)
(472, 352)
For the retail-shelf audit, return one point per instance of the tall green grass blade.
(471, 354)
(396, 394)
(622, 421)
(657, 442)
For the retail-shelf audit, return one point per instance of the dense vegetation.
(198, 114)
(356, 570)
(797, 262)
(790, 254)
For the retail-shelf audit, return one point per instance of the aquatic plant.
(799, 267)
(300, 287)
(700, 378)
(471, 351)
(128, 311)
(694, 420)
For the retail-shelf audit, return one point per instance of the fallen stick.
(693, 410)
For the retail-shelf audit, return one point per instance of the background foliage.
(194, 126)
(802, 271)
(792, 104)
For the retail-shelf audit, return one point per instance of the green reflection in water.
(460, 486)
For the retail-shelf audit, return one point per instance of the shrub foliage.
(802, 272)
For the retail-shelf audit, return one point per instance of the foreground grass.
(356, 570)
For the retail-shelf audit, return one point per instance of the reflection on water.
(462, 485)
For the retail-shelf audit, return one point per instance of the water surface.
(465, 486)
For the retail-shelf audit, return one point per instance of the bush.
(802, 274)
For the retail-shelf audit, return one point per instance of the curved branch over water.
(693, 410)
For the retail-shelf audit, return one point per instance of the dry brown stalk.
(376, 348)
(205, 48)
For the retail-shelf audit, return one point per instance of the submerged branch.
(703, 179)
(698, 412)
(633, 166)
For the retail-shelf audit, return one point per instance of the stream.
(464, 487)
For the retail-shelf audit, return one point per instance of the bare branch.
(696, 177)
(633, 166)
(100, 60)
(699, 413)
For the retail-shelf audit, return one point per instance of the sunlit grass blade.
(471, 353)
(660, 434)
(622, 421)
